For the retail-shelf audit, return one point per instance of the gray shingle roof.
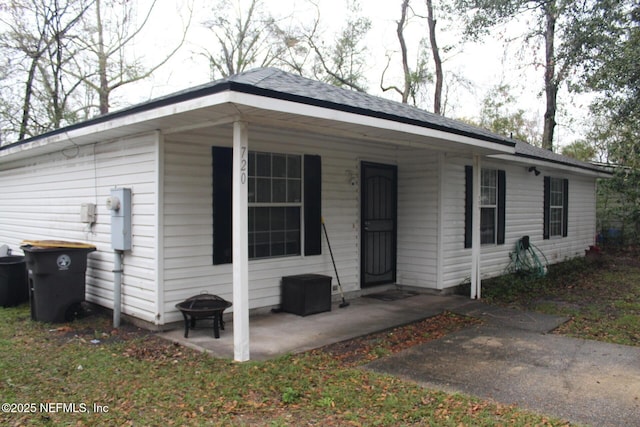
(301, 89)
(277, 84)
(290, 85)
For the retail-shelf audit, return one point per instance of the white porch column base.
(240, 233)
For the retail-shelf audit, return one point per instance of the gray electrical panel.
(120, 206)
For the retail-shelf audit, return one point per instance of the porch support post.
(240, 241)
(475, 230)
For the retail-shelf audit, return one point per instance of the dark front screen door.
(378, 210)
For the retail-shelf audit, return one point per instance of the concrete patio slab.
(276, 334)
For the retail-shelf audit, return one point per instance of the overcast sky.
(483, 65)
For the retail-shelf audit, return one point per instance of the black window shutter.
(468, 205)
(222, 158)
(547, 207)
(502, 194)
(565, 207)
(312, 205)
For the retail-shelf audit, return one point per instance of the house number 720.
(243, 166)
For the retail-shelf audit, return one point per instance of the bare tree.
(241, 40)
(413, 79)
(108, 36)
(38, 35)
(255, 38)
(341, 63)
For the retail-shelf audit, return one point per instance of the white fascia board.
(528, 161)
(313, 111)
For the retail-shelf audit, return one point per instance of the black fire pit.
(203, 306)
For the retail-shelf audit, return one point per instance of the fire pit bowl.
(203, 306)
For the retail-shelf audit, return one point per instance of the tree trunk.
(26, 106)
(437, 97)
(550, 82)
(103, 91)
(403, 48)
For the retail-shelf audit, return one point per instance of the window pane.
(279, 187)
(489, 178)
(293, 242)
(252, 190)
(293, 167)
(489, 187)
(262, 251)
(557, 192)
(279, 165)
(556, 184)
(262, 237)
(488, 196)
(277, 219)
(293, 218)
(293, 231)
(487, 225)
(555, 222)
(263, 164)
(263, 190)
(274, 231)
(277, 243)
(293, 191)
(274, 179)
(261, 219)
(252, 163)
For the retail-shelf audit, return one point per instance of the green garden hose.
(525, 259)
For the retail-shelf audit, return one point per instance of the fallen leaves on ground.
(373, 346)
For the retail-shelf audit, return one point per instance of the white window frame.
(487, 203)
(295, 202)
(556, 211)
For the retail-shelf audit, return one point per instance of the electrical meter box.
(88, 213)
(120, 206)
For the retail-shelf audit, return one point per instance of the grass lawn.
(85, 373)
(600, 294)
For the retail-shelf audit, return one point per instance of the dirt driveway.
(512, 359)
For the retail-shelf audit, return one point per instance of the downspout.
(159, 250)
(117, 287)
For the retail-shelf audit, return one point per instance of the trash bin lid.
(57, 244)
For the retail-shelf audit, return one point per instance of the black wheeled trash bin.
(14, 289)
(56, 274)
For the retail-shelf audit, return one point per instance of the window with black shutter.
(279, 210)
(556, 207)
(492, 206)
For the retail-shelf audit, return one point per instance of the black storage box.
(14, 289)
(56, 281)
(306, 294)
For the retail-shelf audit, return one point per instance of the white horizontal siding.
(417, 218)
(41, 199)
(188, 268)
(524, 217)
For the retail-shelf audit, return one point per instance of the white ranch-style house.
(230, 182)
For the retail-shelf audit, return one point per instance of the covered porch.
(273, 334)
